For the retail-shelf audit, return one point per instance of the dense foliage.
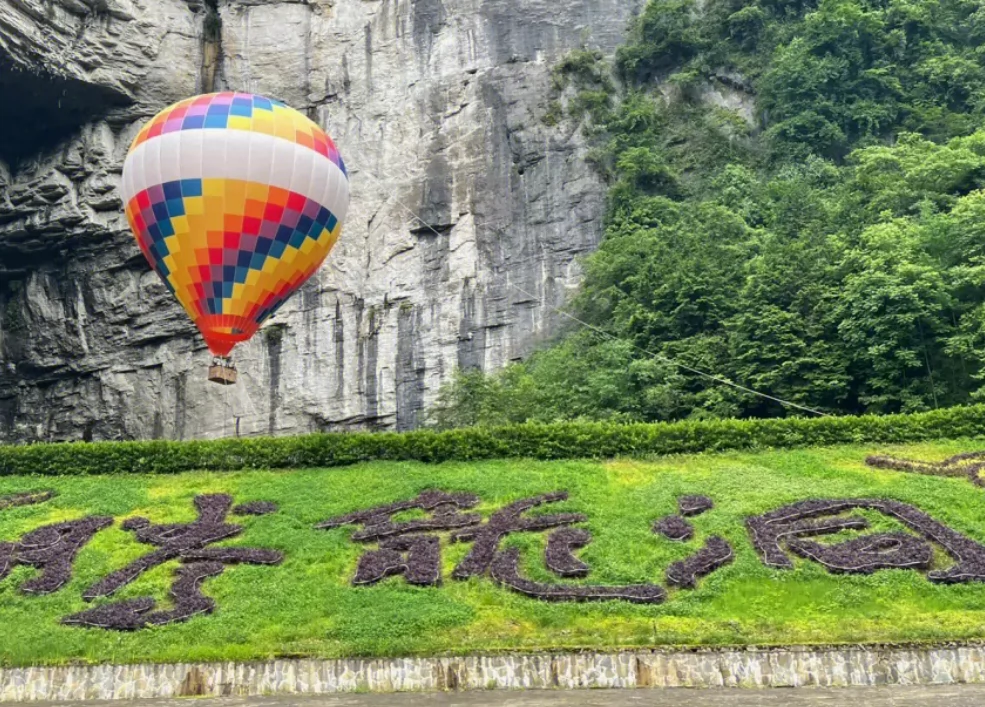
(571, 440)
(795, 205)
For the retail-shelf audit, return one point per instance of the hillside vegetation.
(827, 248)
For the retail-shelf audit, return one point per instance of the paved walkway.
(959, 696)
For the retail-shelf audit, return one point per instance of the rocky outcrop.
(468, 217)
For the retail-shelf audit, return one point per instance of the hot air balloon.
(235, 200)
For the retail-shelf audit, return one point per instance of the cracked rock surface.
(469, 214)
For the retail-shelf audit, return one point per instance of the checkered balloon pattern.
(235, 200)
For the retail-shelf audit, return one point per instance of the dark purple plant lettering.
(26, 498)
(674, 528)
(559, 554)
(716, 553)
(486, 557)
(867, 554)
(378, 522)
(50, 549)
(790, 524)
(416, 557)
(694, 505)
(505, 571)
(187, 542)
(135, 614)
(968, 464)
(489, 535)
(403, 548)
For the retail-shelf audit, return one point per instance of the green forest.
(826, 248)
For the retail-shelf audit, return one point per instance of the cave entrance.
(40, 109)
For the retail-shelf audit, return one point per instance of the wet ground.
(955, 696)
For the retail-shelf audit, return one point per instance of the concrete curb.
(752, 668)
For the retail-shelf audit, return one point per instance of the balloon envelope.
(235, 200)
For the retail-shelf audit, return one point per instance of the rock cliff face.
(468, 215)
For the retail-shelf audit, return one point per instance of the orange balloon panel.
(235, 200)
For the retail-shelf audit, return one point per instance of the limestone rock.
(468, 217)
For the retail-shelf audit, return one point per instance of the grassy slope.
(307, 607)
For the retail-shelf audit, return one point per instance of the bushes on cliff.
(533, 441)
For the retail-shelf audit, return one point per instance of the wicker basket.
(223, 375)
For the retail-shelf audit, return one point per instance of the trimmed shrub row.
(534, 441)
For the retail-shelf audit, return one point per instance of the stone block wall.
(750, 668)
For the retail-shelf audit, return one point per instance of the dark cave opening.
(40, 109)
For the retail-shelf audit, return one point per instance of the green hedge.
(556, 441)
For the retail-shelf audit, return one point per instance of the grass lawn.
(307, 606)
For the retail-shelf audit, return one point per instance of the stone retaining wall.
(641, 669)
